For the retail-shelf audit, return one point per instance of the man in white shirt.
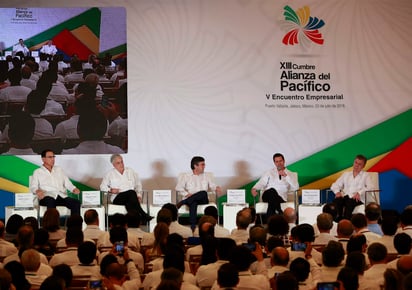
(324, 222)
(6, 248)
(92, 230)
(195, 185)
(350, 188)
(50, 184)
(241, 234)
(174, 226)
(360, 225)
(124, 185)
(20, 48)
(276, 183)
(49, 49)
(377, 257)
(30, 259)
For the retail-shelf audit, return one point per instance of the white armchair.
(261, 207)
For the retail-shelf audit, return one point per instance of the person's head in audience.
(389, 225)
(44, 85)
(92, 79)
(345, 229)
(290, 215)
(300, 268)
(304, 233)
(91, 217)
(51, 220)
(30, 259)
(175, 240)
(280, 257)
(272, 243)
(5, 279)
(356, 261)
(164, 216)
(74, 221)
(331, 209)
(100, 70)
(392, 279)
(206, 227)
(359, 221)
(133, 219)
(356, 243)
(404, 264)
(277, 225)
(13, 224)
(25, 72)
(116, 273)
(64, 272)
(174, 258)
(373, 212)
(348, 278)
(31, 221)
(21, 129)
(243, 219)
(118, 234)
(224, 248)
(74, 237)
(41, 238)
(118, 220)
(87, 94)
(18, 275)
(212, 211)
(14, 76)
(35, 102)
(402, 243)
(87, 252)
(287, 280)
(106, 261)
(92, 126)
(324, 222)
(173, 210)
(242, 257)
(227, 276)
(406, 217)
(53, 283)
(257, 234)
(172, 277)
(333, 254)
(161, 232)
(25, 238)
(377, 253)
(76, 65)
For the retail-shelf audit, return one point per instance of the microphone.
(280, 176)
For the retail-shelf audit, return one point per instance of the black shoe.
(179, 204)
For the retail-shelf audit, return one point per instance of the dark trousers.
(71, 203)
(273, 199)
(192, 201)
(345, 206)
(130, 200)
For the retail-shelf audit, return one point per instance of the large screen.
(82, 53)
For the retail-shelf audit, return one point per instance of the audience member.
(174, 226)
(277, 226)
(91, 129)
(87, 256)
(403, 244)
(20, 132)
(389, 228)
(344, 232)
(18, 275)
(6, 248)
(324, 221)
(51, 223)
(227, 276)
(64, 272)
(241, 234)
(15, 92)
(377, 257)
(360, 225)
(373, 214)
(74, 237)
(30, 259)
(348, 278)
(331, 209)
(92, 230)
(332, 257)
(13, 225)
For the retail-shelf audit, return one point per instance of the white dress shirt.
(270, 179)
(129, 180)
(93, 147)
(349, 185)
(49, 49)
(54, 182)
(192, 183)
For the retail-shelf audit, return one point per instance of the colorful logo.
(301, 27)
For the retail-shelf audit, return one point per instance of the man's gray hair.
(113, 157)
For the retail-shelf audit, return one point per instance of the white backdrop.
(199, 72)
